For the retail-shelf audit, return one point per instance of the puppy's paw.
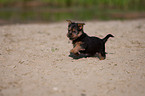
(74, 52)
(101, 58)
(82, 50)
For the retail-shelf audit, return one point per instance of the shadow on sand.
(84, 56)
(81, 56)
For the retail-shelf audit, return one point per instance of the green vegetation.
(56, 10)
(119, 4)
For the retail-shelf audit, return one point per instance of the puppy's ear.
(69, 21)
(80, 25)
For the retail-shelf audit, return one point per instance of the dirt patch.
(35, 61)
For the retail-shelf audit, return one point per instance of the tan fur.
(77, 48)
(77, 36)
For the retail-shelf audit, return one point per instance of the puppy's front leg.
(74, 51)
(77, 48)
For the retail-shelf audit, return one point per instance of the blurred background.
(40, 11)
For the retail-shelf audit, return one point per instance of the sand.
(35, 61)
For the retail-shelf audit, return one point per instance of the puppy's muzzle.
(69, 35)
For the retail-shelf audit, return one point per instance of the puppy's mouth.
(71, 38)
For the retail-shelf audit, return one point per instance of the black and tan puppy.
(82, 43)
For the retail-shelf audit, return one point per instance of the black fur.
(88, 44)
(93, 45)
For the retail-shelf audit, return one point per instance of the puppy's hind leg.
(102, 55)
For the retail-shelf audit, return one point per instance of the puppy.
(82, 43)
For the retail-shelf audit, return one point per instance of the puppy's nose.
(69, 34)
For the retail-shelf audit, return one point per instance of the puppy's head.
(75, 30)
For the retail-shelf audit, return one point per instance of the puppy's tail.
(106, 38)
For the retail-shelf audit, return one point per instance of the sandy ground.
(35, 61)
